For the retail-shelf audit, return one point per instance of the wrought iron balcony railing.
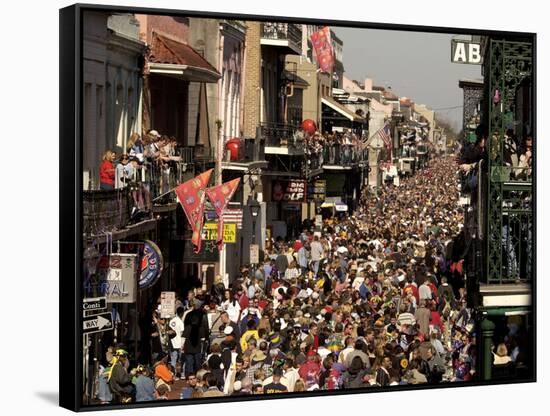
(292, 33)
(343, 155)
(281, 135)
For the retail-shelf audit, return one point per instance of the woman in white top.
(292, 271)
(231, 306)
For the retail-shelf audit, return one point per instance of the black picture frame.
(70, 216)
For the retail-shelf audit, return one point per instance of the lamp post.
(254, 207)
(91, 258)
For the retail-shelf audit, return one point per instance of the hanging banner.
(119, 283)
(191, 196)
(322, 45)
(220, 196)
(151, 265)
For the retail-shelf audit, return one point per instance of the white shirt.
(344, 353)
(292, 376)
(232, 310)
(424, 292)
(176, 324)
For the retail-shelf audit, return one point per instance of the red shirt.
(435, 320)
(297, 246)
(243, 301)
(107, 172)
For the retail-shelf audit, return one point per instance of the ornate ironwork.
(509, 206)
(472, 98)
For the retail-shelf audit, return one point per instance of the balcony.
(507, 230)
(281, 139)
(282, 35)
(108, 215)
(343, 157)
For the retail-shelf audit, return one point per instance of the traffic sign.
(94, 304)
(97, 323)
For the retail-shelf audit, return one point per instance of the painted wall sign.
(293, 190)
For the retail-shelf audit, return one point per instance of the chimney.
(368, 84)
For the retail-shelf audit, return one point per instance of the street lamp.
(254, 207)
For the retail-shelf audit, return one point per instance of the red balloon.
(309, 126)
(233, 146)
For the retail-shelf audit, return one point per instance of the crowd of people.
(372, 299)
(146, 167)
(340, 148)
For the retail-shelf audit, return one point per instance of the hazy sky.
(416, 65)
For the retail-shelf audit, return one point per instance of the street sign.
(167, 304)
(97, 323)
(254, 253)
(94, 304)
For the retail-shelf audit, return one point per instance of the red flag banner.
(323, 49)
(220, 195)
(191, 195)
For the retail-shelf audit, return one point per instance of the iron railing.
(283, 31)
(280, 135)
(509, 231)
(343, 155)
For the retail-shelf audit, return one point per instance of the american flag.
(384, 134)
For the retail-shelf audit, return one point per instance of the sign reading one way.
(97, 323)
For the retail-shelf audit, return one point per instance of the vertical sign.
(167, 304)
(254, 253)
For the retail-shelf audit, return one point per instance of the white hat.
(228, 330)
(154, 133)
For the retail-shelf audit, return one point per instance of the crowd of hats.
(367, 282)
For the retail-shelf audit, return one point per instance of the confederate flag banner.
(323, 48)
(220, 195)
(191, 195)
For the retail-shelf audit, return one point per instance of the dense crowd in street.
(372, 299)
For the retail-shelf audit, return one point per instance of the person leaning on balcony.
(107, 171)
(136, 147)
(123, 172)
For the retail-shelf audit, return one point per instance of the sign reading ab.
(465, 52)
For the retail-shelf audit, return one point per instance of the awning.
(339, 108)
(173, 58)
(338, 206)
